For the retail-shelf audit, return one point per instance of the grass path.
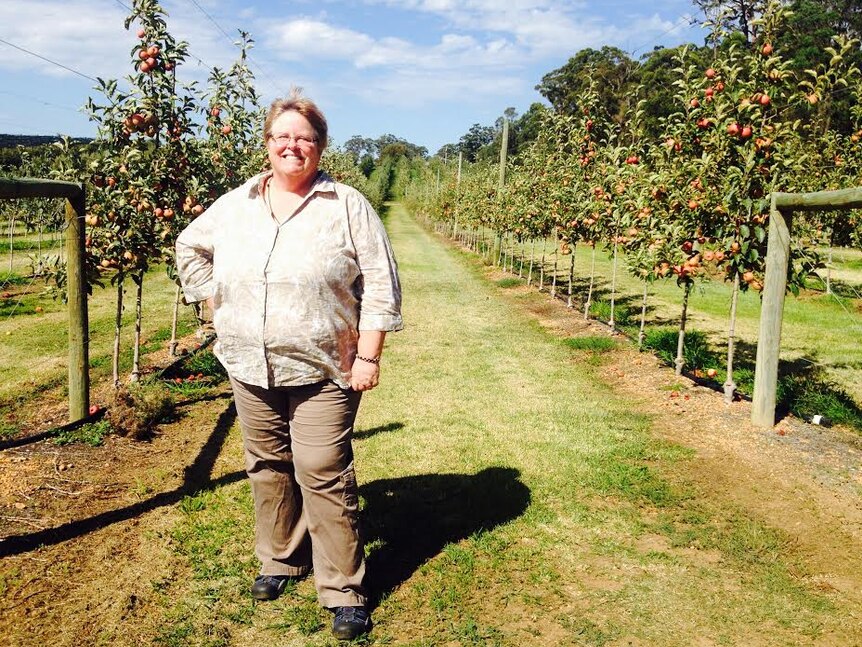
(510, 498)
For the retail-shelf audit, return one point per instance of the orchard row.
(700, 194)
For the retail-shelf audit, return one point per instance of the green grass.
(509, 282)
(591, 343)
(92, 434)
(697, 354)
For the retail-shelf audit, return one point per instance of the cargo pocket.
(350, 498)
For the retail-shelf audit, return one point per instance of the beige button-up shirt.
(290, 299)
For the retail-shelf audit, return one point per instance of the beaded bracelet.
(370, 360)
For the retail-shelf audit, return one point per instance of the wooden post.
(76, 279)
(76, 285)
(775, 284)
(504, 148)
(771, 312)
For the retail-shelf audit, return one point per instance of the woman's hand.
(364, 376)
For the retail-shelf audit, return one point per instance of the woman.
(303, 286)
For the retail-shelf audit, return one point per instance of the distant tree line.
(617, 77)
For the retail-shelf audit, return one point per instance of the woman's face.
(292, 146)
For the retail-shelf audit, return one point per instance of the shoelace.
(351, 614)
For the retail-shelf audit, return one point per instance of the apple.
(710, 73)
(695, 103)
(711, 372)
(142, 32)
(733, 129)
(226, 129)
(766, 50)
(746, 132)
(94, 409)
(764, 99)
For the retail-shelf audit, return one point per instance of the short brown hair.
(306, 107)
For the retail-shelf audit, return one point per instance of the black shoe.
(350, 622)
(269, 587)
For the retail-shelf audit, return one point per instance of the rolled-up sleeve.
(380, 298)
(194, 253)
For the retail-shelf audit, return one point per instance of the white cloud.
(305, 38)
(79, 34)
(542, 28)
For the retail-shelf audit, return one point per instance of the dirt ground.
(76, 518)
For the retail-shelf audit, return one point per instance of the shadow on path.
(195, 479)
(414, 517)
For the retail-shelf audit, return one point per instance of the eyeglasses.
(303, 141)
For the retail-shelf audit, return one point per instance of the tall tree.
(475, 138)
(734, 15)
(610, 67)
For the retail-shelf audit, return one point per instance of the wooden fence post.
(76, 279)
(76, 286)
(771, 313)
(775, 285)
(504, 149)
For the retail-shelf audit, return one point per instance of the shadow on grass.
(380, 429)
(413, 518)
(196, 477)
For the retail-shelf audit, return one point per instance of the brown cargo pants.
(299, 459)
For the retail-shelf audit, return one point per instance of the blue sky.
(423, 70)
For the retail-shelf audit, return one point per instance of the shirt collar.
(323, 183)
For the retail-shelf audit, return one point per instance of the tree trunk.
(136, 349)
(556, 261)
(11, 241)
(729, 384)
(532, 255)
(680, 343)
(612, 323)
(520, 260)
(172, 347)
(542, 265)
(118, 326)
(643, 316)
(592, 282)
(571, 274)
